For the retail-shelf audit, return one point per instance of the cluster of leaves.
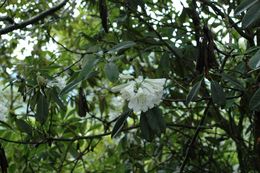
(207, 50)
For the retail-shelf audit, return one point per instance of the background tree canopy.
(60, 60)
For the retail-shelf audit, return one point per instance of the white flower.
(58, 82)
(125, 76)
(142, 94)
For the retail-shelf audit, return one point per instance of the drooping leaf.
(120, 123)
(111, 71)
(251, 16)
(217, 93)
(56, 98)
(23, 126)
(244, 5)
(254, 61)
(83, 75)
(146, 130)
(42, 108)
(122, 46)
(254, 103)
(193, 92)
(233, 81)
(155, 120)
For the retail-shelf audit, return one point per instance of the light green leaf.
(217, 93)
(193, 92)
(123, 45)
(83, 75)
(111, 71)
(254, 103)
(254, 61)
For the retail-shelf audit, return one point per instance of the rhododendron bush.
(129, 86)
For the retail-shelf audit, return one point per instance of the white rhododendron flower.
(59, 82)
(142, 94)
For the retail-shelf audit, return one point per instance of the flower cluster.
(142, 94)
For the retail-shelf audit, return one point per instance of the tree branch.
(232, 23)
(34, 19)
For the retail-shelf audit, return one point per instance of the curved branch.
(34, 19)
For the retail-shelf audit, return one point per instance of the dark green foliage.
(61, 59)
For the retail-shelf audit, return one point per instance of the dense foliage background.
(60, 59)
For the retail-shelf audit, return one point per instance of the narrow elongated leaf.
(55, 97)
(42, 108)
(23, 126)
(146, 130)
(120, 123)
(252, 16)
(217, 93)
(254, 61)
(233, 81)
(155, 120)
(193, 92)
(123, 45)
(254, 103)
(111, 71)
(83, 75)
(244, 5)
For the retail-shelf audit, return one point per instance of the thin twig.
(194, 137)
(34, 19)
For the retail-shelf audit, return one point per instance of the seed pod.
(206, 59)
(103, 14)
(81, 102)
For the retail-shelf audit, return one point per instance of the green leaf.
(23, 126)
(217, 93)
(193, 92)
(233, 81)
(254, 61)
(244, 5)
(254, 103)
(120, 123)
(252, 15)
(83, 75)
(111, 71)
(155, 120)
(42, 108)
(122, 46)
(55, 97)
(146, 130)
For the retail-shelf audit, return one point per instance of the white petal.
(119, 87)
(125, 76)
